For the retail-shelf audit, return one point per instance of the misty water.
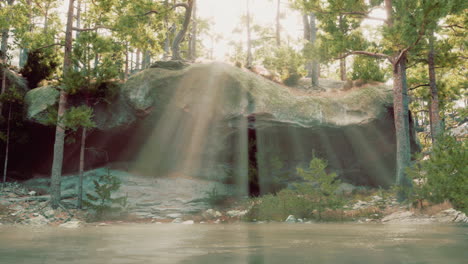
(237, 243)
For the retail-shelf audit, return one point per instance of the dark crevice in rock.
(254, 186)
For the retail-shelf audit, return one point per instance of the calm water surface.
(242, 243)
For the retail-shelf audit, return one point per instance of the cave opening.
(254, 183)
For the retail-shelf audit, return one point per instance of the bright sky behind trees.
(225, 16)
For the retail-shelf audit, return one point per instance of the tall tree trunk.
(278, 23)
(55, 192)
(23, 58)
(143, 59)
(249, 38)
(137, 62)
(343, 69)
(181, 35)
(126, 63)
(343, 59)
(434, 103)
(401, 115)
(7, 147)
(46, 18)
(96, 61)
(401, 111)
(146, 59)
(81, 169)
(4, 55)
(78, 25)
(313, 39)
(167, 45)
(132, 62)
(193, 41)
(305, 21)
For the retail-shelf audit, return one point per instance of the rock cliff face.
(222, 122)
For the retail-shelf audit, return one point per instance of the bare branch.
(184, 5)
(51, 45)
(419, 85)
(364, 14)
(453, 26)
(367, 53)
(149, 13)
(90, 29)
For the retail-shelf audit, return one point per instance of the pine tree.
(405, 26)
(55, 192)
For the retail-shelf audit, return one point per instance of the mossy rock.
(170, 65)
(38, 101)
(241, 92)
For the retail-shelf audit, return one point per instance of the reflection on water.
(243, 243)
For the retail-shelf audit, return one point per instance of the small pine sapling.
(102, 201)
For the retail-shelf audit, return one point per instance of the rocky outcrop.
(15, 81)
(237, 88)
(407, 217)
(38, 101)
(217, 121)
(168, 198)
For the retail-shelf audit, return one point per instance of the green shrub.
(308, 199)
(102, 202)
(39, 66)
(443, 176)
(216, 199)
(367, 69)
(278, 207)
(321, 186)
(293, 79)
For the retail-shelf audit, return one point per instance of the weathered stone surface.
(451, 215)
(156, 87)
(223, 107)
(211, 214)
(107, 115)
(38, 100)
(177, 221)
(236, 213)
(291, 219)
(72, 224)
(400, 217)
(170, 65)
(407, 217)
(146, 197)
(38, 220)
(14, 79)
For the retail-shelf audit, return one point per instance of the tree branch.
(419, 85)
(365, 15)
(91, 29)
(404, 51)
(367, 53)
(184, 5)
(51, 45)
(453, 26)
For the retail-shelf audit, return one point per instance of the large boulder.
(221, 122)
(215, 120)
(235, 87)
(108, 113)
(38, 101)
(15, 81)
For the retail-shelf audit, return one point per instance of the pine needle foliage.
(443, 175)
(102, 201)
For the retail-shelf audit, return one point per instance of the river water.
(237, 243)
